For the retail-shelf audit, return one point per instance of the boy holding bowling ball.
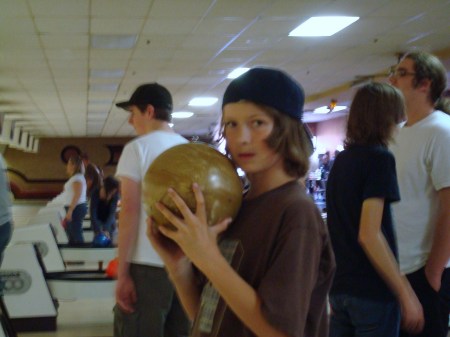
(268, 271)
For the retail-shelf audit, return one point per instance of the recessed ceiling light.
(118, 73)
(203, 101)
(103, 87)
(326, 109)
(95, 115)
(323, 25)
(237, 72)
(100, 101)
(339, 108)
(182, 114)
(113, 41)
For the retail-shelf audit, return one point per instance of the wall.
(329, 136)
(331, 133)
(42, 175)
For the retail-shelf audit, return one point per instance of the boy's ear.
(424, 85)
(150, 111)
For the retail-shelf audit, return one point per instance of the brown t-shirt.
(279, 244)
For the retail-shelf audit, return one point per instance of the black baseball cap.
(149, 93)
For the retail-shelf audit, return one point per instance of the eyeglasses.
(400, 72)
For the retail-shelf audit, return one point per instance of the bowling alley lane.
(77, 318)
(81, 318)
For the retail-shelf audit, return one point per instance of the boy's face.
(246, 129)
(136, 119)
(403, 78)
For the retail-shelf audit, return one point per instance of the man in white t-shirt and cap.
(146, 302)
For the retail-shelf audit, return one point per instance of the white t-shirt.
(65, 197)
(422, 154)
(134, 161)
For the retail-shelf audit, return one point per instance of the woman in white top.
(75, 200)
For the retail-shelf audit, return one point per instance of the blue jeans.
(74, 227)
(360, 317)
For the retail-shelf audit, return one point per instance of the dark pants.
(158, 312)
(361, 317)
(6, 230)
(436, 305)
(74, 228)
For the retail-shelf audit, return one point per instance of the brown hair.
(374, 113)
(427, 66)
(110, 184)
(160, 113)
(443, 104)
(289, 138)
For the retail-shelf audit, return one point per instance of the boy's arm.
(128, 228)
(380, 255)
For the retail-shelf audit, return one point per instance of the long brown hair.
(374, 113)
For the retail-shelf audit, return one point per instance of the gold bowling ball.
(181, 166)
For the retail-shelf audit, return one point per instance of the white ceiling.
(51, 81)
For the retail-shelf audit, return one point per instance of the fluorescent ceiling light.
(203, 101)
(95, 123)
(326, 109)
(97, 115)
(182, 114)
(237, 72)
(323, 25)
(118, 73)
(100, 101)
(113, 41)
(103, 87)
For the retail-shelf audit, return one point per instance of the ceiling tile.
(49, 70)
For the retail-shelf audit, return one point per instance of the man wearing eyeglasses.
(422, 217)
